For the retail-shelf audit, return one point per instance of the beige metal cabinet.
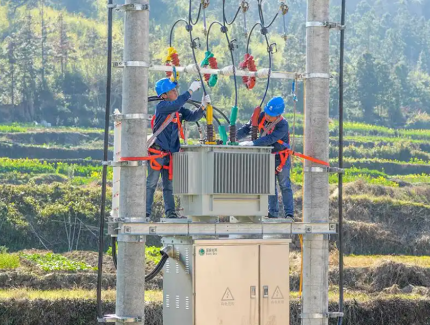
(275, 286)
(241, 282)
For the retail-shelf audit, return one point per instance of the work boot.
(172, 215)
(289, 218)
(272, 216)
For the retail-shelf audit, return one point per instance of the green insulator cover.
(223, 134)
(213, 80)
(208, 55)
(233, 115)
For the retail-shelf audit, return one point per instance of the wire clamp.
(325, 24)
(130, 7)
(125, 64)
(112, 318)
(120, 117)
(232, 45)
(195, 43)
(123, 163)
(272, 48)
(316, 75)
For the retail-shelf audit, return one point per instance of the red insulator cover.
(213, 63)
(175, 59)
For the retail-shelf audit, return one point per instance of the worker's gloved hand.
(206, 100)
(195, 85)
(246, 143)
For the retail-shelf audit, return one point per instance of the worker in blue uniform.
(167, 128)
(273, 129)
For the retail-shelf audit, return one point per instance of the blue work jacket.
(279, 133)
(168, 139)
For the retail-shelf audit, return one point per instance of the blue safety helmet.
(275, 106)
(164, 85)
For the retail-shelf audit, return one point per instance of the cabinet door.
(274, 285)
(226, 285)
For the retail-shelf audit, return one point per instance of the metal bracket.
(120, 117)
(316, 75)
(124, 163)
(321, 316)
(130, 7)
(112, 318)
(314, 316)
(125, 64)
(334, 170)
(328, 24)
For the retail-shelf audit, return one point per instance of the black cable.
(225, 17)
(270, 71)
(215, 109)
(105, 158)
(260, 14)
(249, 36)
(158, 268)
(198, 15)
(209, 30)
(173, 27)
(234, 69)
(340, 186)
(114, 258)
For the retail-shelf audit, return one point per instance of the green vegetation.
(13, 169)
(107, 295)
(8, 261)
(55, 262)
(152, 253)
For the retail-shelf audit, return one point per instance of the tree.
(367, 85)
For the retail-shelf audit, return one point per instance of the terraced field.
(50, 197)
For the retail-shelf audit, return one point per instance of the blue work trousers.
(151, 185)
(287, 193)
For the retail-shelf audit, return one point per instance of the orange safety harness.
(284, 154)
(155, 154)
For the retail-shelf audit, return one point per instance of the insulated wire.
(231, 54)
(270, 71)
(105, 158)
(173, 27)
(198, 14)
(260, 14)
(224, 16)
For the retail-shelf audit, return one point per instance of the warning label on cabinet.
(227, 298)
(277, 294)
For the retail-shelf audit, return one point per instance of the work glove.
(246, 143)
(206, 100)
(195, 85)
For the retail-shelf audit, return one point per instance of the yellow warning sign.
(277, 294)
(227, 295)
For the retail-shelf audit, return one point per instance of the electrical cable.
(173, 27)
(198, 15)
(340, 185)
(114, 258)
(105, 158)
(157, 268)
(224, 16)
(260, 14)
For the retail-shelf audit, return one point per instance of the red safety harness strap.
(153, 163)
(287, 152)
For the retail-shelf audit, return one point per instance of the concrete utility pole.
(316, 187)
(130, 300)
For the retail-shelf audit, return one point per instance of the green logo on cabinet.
(201, 251)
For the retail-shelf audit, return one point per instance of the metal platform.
(188, 228)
